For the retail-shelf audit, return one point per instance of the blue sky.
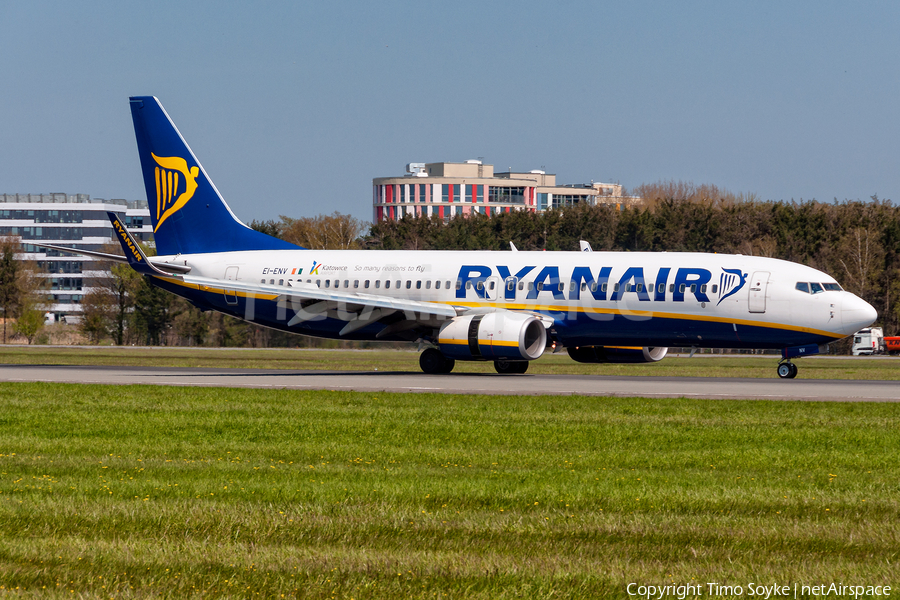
(293, 107)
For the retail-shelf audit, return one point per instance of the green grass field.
(150, 491)
(822, 367)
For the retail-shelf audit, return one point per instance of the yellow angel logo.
(169, 173)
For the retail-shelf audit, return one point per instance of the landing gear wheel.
(511, 366)
(787, 370)
(433, 362)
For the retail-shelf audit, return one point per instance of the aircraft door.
(509, 288)
(230, 275)
(758, 284)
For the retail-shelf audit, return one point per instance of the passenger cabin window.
(387, 284)
(428, 285)
(281, 282)
(418, 285)
(366, 284)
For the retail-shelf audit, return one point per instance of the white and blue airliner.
(505, 307)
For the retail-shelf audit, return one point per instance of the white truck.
(868, 341)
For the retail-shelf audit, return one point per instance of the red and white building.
(445, 190)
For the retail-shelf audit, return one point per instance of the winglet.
(133, 252)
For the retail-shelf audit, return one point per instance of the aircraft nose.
(856, 314)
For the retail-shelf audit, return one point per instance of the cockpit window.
(817, 288)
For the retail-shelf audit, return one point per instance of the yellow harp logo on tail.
(169, 175)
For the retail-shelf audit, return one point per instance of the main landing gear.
(434, 363)
(511, 366)
(787, 369)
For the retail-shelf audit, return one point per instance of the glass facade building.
(75, 220)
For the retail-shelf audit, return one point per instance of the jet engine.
(503, 334)
(616, 354)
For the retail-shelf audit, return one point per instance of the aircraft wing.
(308, 302)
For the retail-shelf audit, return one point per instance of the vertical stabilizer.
(188, 214)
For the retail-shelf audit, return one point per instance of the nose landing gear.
(787, 369)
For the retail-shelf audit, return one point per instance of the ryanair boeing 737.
(507, 307)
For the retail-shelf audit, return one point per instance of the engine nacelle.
(498, 335)
(616, 354)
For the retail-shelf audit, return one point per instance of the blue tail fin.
(188, 214)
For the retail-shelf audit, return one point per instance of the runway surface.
(482, 383)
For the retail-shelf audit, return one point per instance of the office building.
(447, 189)
(70, 220)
